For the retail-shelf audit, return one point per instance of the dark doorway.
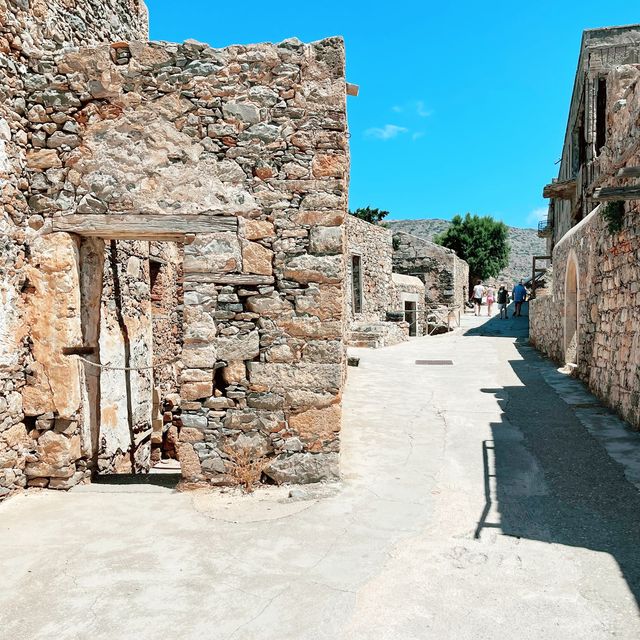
(410, 316)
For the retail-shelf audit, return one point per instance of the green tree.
(370, 215)
(481, 241)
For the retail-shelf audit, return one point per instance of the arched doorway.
(571, 312)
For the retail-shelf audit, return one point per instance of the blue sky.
(462, 105)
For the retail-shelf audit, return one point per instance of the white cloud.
(387, 132)
(397, 108)
(422, 111)
(536, 216)
(417, 134)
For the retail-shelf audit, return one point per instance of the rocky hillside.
(524, 244)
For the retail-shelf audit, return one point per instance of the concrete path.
(491, 498)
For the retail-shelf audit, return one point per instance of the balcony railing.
(545, 228)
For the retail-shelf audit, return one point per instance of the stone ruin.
(399, 285)
(176, 262)
(172, 261)
(589, 319)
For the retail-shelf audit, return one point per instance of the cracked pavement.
(493, 498)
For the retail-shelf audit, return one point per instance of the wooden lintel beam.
(617, 193)
(227, 278)
(80, 350)
(352, 89)
(629, 172)
(142, 226)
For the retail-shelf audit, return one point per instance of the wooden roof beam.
(605, 194)
(629, 172)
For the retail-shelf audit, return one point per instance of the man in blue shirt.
(519, 296)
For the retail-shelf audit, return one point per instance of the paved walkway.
(490, 498)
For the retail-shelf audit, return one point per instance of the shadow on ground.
(509, 328)
(553, 481)
(169, 480)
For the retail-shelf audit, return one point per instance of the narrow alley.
(485, 497)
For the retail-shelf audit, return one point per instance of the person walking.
(519, 296)
(503, 301)
(491, 298)
(478, 293)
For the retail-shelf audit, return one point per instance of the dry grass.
(246, 465)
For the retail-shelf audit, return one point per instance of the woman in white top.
(478, 293)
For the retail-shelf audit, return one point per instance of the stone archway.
(571, 297)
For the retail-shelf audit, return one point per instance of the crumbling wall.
(257, 136)
(26, 30)
(445, 276)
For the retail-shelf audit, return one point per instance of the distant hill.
(524, 244)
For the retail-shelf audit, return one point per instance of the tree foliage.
(481, 241)
(370, 215)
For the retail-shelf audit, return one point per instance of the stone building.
(373, 317)
(395, 280)
(172, 249)
(590, 318)
(444, 274)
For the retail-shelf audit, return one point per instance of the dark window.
(582, 144)
(154, 272)
(601, 115)
(356, 282)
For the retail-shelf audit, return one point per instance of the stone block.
(329, 165)
(257, 229)
(283, 377)
(304, 468)
(242, 346)
(213, 252)
(190, 391)
(43, 159)
(322, 218)
(191, 421)
(307, 268)
(326, 240)
(256, 258)
(234, 372)
(325, 351)
(317, 426)
(218, 403)
(188, 434)
(189, 462)
(311, 327)
(326, 302)
(268, 305)
(199, 356)
(244, 112)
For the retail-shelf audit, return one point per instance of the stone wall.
(410, 289)
(445, 276)
(28, 26)
(608, 303)
(28, 268)
(373, 243)
(253, 135)
(606, 348)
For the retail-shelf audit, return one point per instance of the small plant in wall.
(613, 214)
(246, 465)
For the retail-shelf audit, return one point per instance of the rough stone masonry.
(239, 158)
